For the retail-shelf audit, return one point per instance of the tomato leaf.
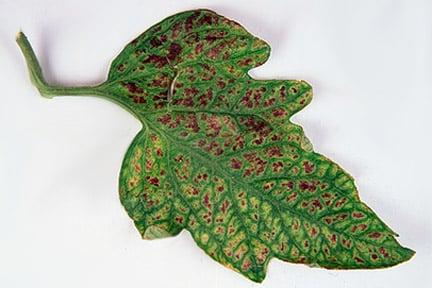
(219, 157)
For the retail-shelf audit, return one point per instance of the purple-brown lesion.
(205, 98)
(236, 163)
(307, 186)
(158, 61)
(153, 181)
(174, 51)
(267, 186)
(132, 88)
(255, 164)
(160, 81)
(358, 215)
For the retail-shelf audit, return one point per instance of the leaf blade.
(242, 178)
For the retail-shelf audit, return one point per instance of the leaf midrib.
(247, 186)
(197, 217)
(232, 179)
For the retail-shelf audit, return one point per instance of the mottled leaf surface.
(219, 157)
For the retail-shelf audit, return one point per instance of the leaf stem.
(37, 78)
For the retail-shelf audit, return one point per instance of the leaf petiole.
(37, 78)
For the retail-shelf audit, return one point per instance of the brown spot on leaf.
(190, 20)
(310, 186)
(358, 260)
(132, 88)
(291, 197)
(154, 181)
(340, 202)
(274, 152)
(358, 215)
(155, 42)
(308, 167)
(173, 51)
(236, 164)
(179, 219)
(375, 235)
(279, 112)
(206, 200)
(224, 206)
(158, 61)
(277, 166)
(383, 252)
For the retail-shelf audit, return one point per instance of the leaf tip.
(405, 253)
(155, 232)
(258, 280)
(256, 277)
(409, 254)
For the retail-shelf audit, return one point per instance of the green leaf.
(219, 157)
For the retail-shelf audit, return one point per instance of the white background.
(61, 222)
